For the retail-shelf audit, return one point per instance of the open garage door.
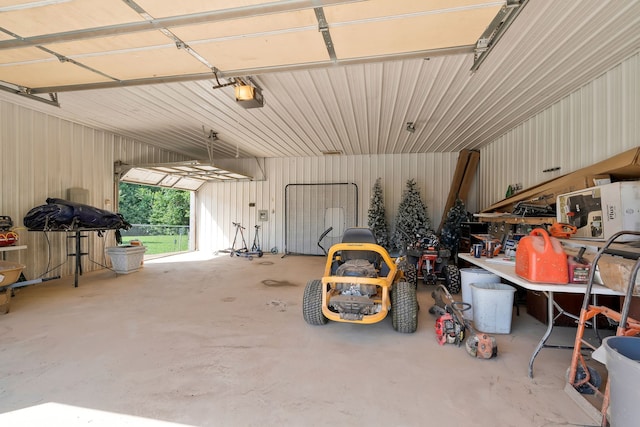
(179, 175)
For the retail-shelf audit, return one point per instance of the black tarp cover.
(63, 215)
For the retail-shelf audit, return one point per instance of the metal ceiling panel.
(551, 50)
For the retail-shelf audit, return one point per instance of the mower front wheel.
(404, 308)
(312, 303)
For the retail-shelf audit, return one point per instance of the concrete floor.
(220, 341)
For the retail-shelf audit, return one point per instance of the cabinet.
(571, 303)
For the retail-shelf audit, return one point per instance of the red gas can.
(541, 259)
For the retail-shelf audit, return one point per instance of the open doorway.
(159, 217)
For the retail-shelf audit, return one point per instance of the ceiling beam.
(172, 21)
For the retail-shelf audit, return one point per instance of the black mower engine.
(354, 300)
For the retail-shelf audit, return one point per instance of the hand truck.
(580, 376)
(255, 247)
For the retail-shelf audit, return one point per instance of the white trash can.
(127, 258)
(623, 357)
(492, 307)
(474, 275)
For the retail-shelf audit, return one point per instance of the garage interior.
(96, 92)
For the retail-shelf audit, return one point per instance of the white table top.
(12, 248)
(508, 272)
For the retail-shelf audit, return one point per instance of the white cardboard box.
(599, 212)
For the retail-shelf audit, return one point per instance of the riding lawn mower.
(361, 284)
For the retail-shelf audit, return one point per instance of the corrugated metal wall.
(312, 210)
(597, 121)
(220, 204)
(43, 156)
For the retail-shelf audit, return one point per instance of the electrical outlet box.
(263, 215)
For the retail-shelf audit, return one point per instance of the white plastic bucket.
(623, 357)
(492, 307)
(126, 259)
(474, 275)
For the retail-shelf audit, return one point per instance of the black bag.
(59, 214)
(86, 216)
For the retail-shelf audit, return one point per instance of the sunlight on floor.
(58, 414)
(184, 257)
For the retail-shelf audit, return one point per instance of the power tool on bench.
(562, 230)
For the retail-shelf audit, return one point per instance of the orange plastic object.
(541, 259)
(562, 230)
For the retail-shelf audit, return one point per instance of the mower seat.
(360, 235)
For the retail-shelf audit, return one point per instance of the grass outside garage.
(160, 244)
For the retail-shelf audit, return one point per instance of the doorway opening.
(159, 217)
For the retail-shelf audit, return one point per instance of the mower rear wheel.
(452, 278)
(312, 303)
(404, 308)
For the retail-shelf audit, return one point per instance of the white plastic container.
(492, 307)
(623, 354)
(474, 275)
(127, 258)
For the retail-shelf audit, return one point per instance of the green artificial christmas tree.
(377, 220)
(412, 220)
(450, 236)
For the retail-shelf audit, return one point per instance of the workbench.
(77, 234)
(506, 271)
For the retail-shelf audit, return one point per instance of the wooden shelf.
(515, 219)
